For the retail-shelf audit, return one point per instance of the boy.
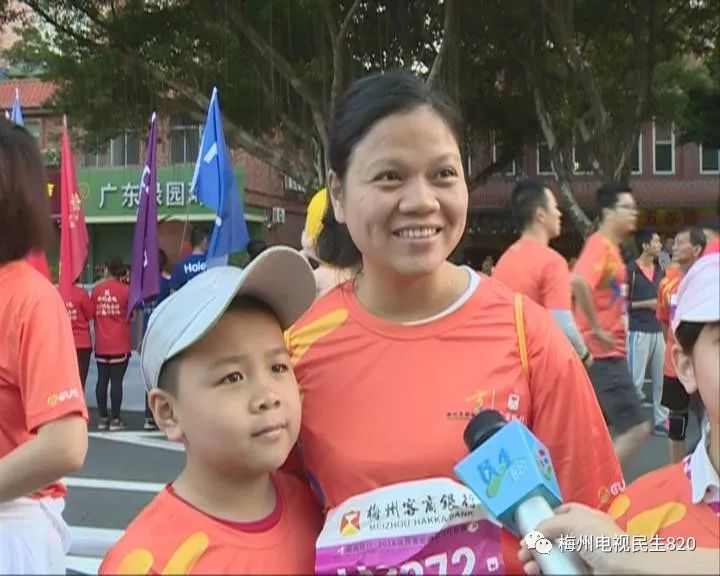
(682, 501)
(219, 379)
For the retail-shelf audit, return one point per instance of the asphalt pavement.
(124, 471)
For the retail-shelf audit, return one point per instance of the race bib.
(434, 526)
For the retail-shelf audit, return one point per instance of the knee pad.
(678, 425)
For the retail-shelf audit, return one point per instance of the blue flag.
(145, 271)
(215, 187)
(16, 115)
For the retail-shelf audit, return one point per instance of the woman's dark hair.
(687, 334)
(366, 102)
(115, 266)
(25, 223)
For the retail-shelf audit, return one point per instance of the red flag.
(73, 232)
(38, 261)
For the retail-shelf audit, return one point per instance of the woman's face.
(404, 197)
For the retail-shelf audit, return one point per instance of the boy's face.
(237, 403)
(701, 370)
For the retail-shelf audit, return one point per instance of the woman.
(113, 341)
(43, 418)
(394, 363)
(81, 311)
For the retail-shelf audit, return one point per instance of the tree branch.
(451, 25)
(337, 35)
(269, 154)
(577, 64)
(282, 66)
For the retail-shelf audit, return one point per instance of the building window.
(663, 149)
(123, 150)
(636, 157)
(510, 169)
(33, 127)
(184, 141)
(544, 164)
(582, 158)
(709, 160)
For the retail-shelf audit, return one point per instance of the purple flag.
(145, 272)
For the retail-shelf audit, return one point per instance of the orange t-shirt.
(39, 379)
(537, 271)
(666, 304)
(660, 503)
(387, 403)
(171, 536)
(601, 265)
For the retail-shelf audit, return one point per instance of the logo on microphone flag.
(543, 460)
(350, 523)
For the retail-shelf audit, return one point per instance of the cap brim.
(280, 277)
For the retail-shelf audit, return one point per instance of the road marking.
(122, 485)
(140, 438)
(83, 565)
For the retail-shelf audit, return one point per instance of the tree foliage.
(566, 71)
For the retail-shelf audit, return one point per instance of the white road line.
(123, 485)
(144, 439)
(83, 565)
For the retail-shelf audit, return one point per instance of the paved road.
(125, 469)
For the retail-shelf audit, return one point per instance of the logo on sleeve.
(59, 397)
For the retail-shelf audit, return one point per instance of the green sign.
(113, 194)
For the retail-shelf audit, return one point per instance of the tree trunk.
(561, 169)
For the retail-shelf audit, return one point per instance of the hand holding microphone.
(510, 471)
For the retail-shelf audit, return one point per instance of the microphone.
(510, 472)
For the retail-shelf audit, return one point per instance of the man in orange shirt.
(530, 266)
(689, 246)
(234, 403)
(600, 276)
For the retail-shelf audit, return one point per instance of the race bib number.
(434, 526)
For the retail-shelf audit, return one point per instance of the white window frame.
(672, 151)
(537, 160)
(700, 159)
(185, 128)
(110, 150)
(576, 170)
(34, 122)
(640, 157)
(494, 159)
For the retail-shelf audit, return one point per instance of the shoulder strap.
(520, 330)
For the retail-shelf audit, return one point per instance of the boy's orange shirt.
(171, 536)
(661, 504)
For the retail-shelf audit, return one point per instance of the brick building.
(675, 185)
(109, 181)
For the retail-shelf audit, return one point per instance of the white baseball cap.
(280, 276)
(698, 298)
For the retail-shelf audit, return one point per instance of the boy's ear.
(685, 369)
(162, 405)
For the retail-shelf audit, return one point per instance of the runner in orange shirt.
(601, 288)
(43, 418)
(219, 380)
(688, 247)
(530, 266)
(395, 363)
